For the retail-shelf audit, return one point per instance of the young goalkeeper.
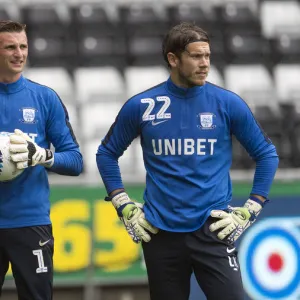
(186, 125)
(37, 118)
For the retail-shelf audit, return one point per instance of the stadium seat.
(36, 2)
(99, 37)
(194, 12)
(235, 14)
(89, 15)
(97, 117)
(240, 157)
(282, 31)
(215, 76)
(145, 50)
(285, 49)
(287, 78)
(139, 79)
(89, 149)
(49, 35)
(145, 25)
(99, 85)
(139, 161)
(254, 84)
(287, 83)
(242, 32)
(100, 93)
(143, 18)
(280, 17)
(97, 49)
(10, 11)
(131, 162)
(246, 46)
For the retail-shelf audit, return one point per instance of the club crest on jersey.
(206, 121)
(28, 115)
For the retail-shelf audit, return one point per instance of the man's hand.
(132, 215)
(25, 152)
(235, 221)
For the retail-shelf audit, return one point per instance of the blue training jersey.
(186, 138)
(38, 111)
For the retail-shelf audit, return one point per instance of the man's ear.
(173, 60)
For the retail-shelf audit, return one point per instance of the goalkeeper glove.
(132, 215)
(25, 152)
(236, 219)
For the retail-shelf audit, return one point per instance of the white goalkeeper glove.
(236, 220)
(132, 215)
(25, 152)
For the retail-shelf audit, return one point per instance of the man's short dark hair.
(11, 26)
(177, 39)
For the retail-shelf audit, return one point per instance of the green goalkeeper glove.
(132, 215)
(25, 152)
(235, 220)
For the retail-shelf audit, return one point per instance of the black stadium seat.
(49, 36)
(99, 37)
(145, 26)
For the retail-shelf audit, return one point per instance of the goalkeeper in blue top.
(186, 125)
(36, 117)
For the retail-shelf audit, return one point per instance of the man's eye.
(196, 56)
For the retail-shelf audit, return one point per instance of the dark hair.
(11, 26)
(180, 36)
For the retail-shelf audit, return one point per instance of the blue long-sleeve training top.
(186, 138)
(38, 111)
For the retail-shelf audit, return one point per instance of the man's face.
(13, 54)
(193, 65)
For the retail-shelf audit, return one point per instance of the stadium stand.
(105, 52)
(97, 54)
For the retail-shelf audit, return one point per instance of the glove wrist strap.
(109, 198)
(257, 200)
(49, 159)
(120, 200)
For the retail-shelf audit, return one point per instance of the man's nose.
(204, 62)
(18, 52)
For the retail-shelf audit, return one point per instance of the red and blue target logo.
(270, 259)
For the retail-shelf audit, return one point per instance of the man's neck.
(9, 78)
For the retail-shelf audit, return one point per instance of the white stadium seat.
(98, 83)
(98, 117)
(253, 83)
(139, 79)
(287, 82)
(215, 77)
(280, 17)
(130, 163)
(89, 150)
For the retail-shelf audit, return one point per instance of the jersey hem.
(25, 224)
(166, 228)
